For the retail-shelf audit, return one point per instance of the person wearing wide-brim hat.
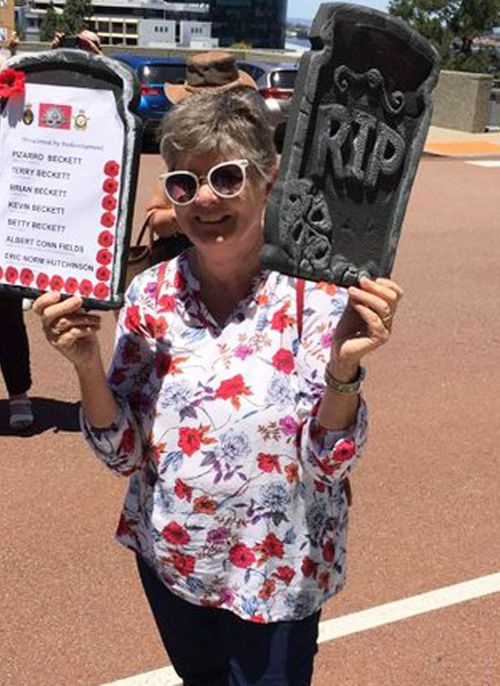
(213, 72)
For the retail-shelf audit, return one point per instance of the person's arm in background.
(160, 213)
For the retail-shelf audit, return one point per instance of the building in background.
(259, 23)
(6, 19)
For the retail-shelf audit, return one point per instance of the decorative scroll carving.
(359, 118)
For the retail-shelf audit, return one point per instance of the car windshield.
(159, 73)
(283, 79)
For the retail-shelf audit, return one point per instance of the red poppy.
(11, 82)
(11, 274)
(110, 186)
(166, 303)
(26, 277)
(184, 564)
(309, 567)
(283, 361)
(179, 281)
(241, 556)
(230, 388)
(109, 202)
(328, 551)
(292, 473)
(108, 219)
(42, 281)
(268, 463)
(267, 589)
(205, 505)
(271, 546)
(85, 287)
(285, 574)
(71, 285)
(111, 168)
(132, 318)
(176, 534)
(344, 450)
(57, 283)
(189, 440)
(183, 491)
(157, 326)
(128, 440)
(106, 239)
(101, 291)
(103, 274)
(324, 580)
(281, 320)
(104, 256)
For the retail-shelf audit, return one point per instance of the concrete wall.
(462, 101)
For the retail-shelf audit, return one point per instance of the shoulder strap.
(301, 284)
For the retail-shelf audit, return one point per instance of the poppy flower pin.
(12, 82)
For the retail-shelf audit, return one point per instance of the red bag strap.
(301, 284)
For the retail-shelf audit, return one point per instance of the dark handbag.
(141, 255)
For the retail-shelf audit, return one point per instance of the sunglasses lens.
(181, 188)
(228, 179)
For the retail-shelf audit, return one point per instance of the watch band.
(351, 388)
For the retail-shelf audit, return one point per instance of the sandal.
(21, 414)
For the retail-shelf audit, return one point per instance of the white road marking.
(360, 621)
(484, 163)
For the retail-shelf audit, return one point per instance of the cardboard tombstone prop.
(357, 127)
(69, 156)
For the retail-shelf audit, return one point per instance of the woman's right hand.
(69, 328)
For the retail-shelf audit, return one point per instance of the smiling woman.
(233, 404)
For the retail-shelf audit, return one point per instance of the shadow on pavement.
(58, 415)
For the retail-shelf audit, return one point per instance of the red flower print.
(268, 463)
(176, 534)
(132, 318)
(103, 274)
(11, 274)
(328, 551)
(324, 580)
(162, 364)
(329, 288)
(11, 82)
(85, 288)
(230, 389)
(157, 326)
(111, 168)
(205, 505)
(110, 186)
(128, 440)
(267, 589)
(57, 283)
(292, 473)
(189, 440)
(281, 320)
(109, 202)
(344, 450)
(166, 303)
(271, 546)
(26, 277)
(104, 256)
(101, 291)
(241, 556)
(184, 564)
(108, 219)
(179, 281)
(106, 239)
(42, 281)
(283, 361)
(1, 272)
(257, 619)
(309, 568)
(71, 285)
(183, 491)
(285, 574)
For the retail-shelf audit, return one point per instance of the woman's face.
(214, 223)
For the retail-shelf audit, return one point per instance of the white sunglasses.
(226, 180)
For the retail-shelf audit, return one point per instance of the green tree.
(75, 16)
(49, 24)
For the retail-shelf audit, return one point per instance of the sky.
(306, 9)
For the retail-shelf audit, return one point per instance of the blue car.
(152, 73)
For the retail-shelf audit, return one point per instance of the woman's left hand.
(367, 321)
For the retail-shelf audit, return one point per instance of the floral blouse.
(236, 493)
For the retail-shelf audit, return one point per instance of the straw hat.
(212, 71)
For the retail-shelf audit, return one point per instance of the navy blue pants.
(14, 347)
(211, 647)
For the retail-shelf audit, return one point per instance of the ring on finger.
(387, 321)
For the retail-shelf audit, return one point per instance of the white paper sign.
(61, 150)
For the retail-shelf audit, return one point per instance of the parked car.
(152, 73)
(276, 86)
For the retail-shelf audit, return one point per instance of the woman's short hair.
(228, 123)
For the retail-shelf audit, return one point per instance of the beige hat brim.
(176, 92)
